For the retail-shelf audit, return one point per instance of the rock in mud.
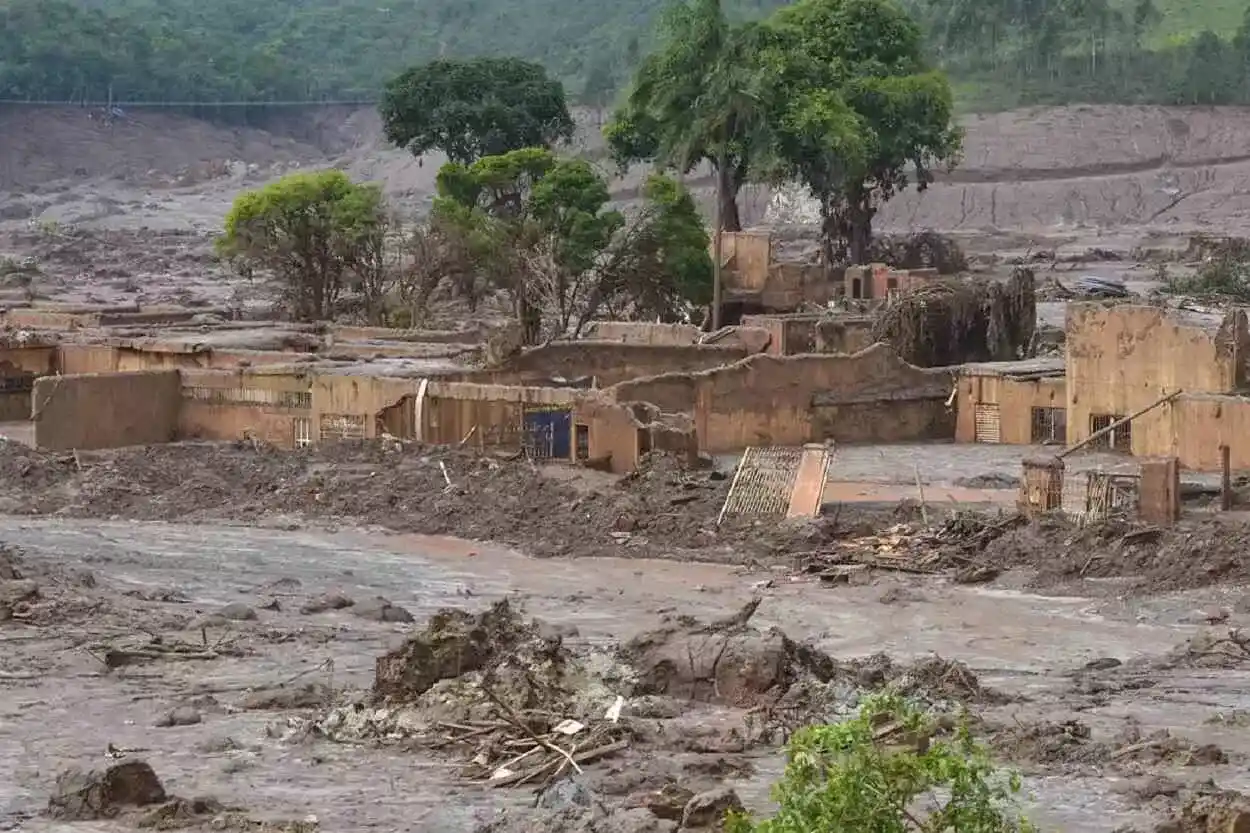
(708, 809)
(310, 696)
(579, 820)
(453, 643)
(565, 794)
(328, 602)
(1223, 811)
(100, 794)
(13, 593)
(237, 612)
(8, 564)
(181, 716)
(726, 662)
(669, 802)
(379, 609)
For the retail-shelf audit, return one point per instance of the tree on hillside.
(693, 100)
(475, 108)
(316, 233)
(864, 116)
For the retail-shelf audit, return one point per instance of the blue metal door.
(549, 434)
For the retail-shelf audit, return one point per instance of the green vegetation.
(526, 224)
(231, 50)
(835, 94)
(475, 108)
(539, 229)
(999, 52)
(319, 234)
(889, 770)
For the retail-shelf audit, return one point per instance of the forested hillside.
(999, 52)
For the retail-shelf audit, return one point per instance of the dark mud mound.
(725, 662)
(81, 795)
(665, 509)
(1209, 811)
(1065, 745)
(454, 643)
(1194, 554)
(1210, 649)
(949, 322)
(9, 559)
(931, 678)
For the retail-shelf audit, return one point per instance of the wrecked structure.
(109, 377)
(1180, 376)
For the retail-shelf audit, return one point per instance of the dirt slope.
(1058, 170)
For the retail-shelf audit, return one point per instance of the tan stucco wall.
(1015, 399)
(769, 400)
(1123, 358)
(607, 362)
(106, 410)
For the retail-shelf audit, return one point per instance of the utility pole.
(716, 246)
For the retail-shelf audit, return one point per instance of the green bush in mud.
(893, 768)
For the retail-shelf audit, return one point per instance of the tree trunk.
(529, 317)
(859, 216)
(727, 198)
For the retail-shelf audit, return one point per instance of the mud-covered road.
(59, 707)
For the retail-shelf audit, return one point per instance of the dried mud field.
(297, 668)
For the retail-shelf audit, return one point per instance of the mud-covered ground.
(219, 703)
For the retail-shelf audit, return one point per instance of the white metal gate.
(763, 482)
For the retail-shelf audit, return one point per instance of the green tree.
(692, 100)
(864, 116)
(889, 770)
(534, 226)
(475, 108)
(659, 266)
(314, 232)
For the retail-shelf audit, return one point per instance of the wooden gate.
(987, 423)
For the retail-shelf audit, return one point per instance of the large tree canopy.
(315, 233)
(864, 116)
(477, 108)
(694, 100)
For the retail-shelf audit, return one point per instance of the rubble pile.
(132, 792)
(915, 548)
(947, 322)
(1207, 809)
(1066, 745)
(725, 662)
(503, 694)
(923, 250)
(33, 595)
(1210, 649)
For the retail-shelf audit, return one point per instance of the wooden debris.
(910, 549)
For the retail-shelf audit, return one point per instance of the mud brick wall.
(871, 395)
(1123, 358)
(633, 332)
(607, 362)
(1199, 424)
(106, 410)
(1015, 398)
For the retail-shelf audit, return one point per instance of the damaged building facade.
(108, 377)
(1179, 375)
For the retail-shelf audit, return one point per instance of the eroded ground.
(60, 706)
